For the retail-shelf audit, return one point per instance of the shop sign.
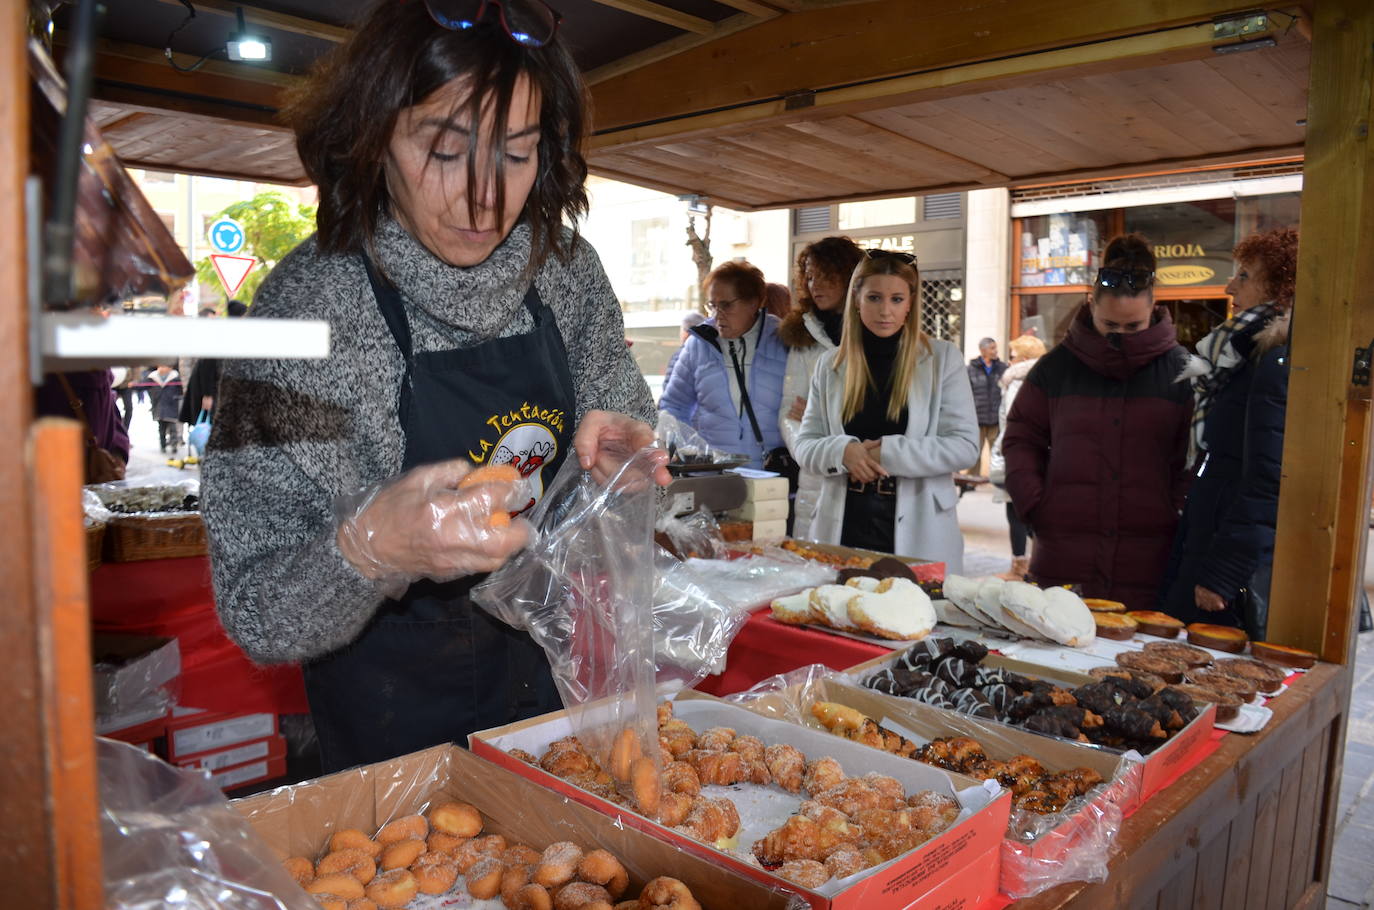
(898, 243)
(1184, 274)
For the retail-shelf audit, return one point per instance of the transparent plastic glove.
(441, 521)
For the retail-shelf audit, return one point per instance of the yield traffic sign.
(232, 271)
(226, 236)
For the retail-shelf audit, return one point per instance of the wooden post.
(1324, 499)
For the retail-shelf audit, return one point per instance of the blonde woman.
(888, 420)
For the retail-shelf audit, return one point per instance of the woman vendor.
(444, 139)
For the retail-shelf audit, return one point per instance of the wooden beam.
(647, 9)
(268, 19)
(752, 7)
(832, 46)
(666, 49)
(111, 51)
(1324, 498)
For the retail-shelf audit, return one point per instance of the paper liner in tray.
(1039, 850)
(1250, 719)
(895, 884)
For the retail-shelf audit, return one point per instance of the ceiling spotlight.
(244, 46)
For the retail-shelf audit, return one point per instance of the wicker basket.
(95, 536)
(172, 535)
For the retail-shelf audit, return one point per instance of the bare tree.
(701, 250)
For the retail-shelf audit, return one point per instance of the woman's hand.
(605, 441)
(424, 524)
(798, 409)
(207, 402)
(861, 461)
(1207, 599)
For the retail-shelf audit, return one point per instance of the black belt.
(883, 486)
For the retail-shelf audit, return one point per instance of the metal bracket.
(33, 229)
(1359, 373)
(1240, 25)
(796, 101)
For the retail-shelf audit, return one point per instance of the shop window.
(1195, 318)
(942, 305)
(1192, 240)
(855, 216)
(1061, 249)
(1048, 316)
(1263, 213)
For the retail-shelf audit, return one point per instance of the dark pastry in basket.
(926, 652)
(970, 650)
(958, 673)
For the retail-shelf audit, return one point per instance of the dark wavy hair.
(1277, 251)
(834, 256)
(1129, 252)
(346, 110)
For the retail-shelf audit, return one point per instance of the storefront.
(1193, 220)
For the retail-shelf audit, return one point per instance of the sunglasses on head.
(908, 258)
(532, 23)
(1135, 279)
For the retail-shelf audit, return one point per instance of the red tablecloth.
(173, 597)
(765, 648)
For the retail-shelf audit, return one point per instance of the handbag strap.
(78, 409)
(744, 395)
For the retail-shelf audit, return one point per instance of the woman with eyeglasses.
(1096, 440)
(1219, 571)
(889, 419)
(469, 327)
(727, 382)
(809, 330)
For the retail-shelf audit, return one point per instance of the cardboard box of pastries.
(1024, 863)
(298, 820)
(1161, 767)
(959, 867)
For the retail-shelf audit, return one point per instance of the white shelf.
(81, 341)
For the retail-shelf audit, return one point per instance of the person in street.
(1025, 351)
(889, 419)
(985, 377)
(124, 379)
(1219, 568)
(203, 383)
(164, 387)
(813, 327)
(470, 325)
(1097, 439)
(728, 382)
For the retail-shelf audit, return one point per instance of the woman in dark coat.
(1097, 439)
(1219, 570)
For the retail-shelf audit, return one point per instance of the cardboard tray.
(298, 820)
(961, 867)
(1022, 862)
(1161, 767)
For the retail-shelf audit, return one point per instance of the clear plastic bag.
(694, 534)
(686, 446)
(583, 588)
(1040, 850)
(169, 839)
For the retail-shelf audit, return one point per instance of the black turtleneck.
(872, 421)
(832, 321)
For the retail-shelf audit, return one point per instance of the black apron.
(433, 667)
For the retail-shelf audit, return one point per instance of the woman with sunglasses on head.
(727, 382)
(809, 330)
(443, 137)
(1219, 570)
(889, 419)
(1096, 440)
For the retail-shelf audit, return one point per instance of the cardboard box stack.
(765, 507)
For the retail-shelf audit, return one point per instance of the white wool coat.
(801, 364)
(941, 437)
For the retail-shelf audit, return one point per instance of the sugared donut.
(331, 902)
(353, 861)
(393, 889)
(845, 862)
(515, 877)
(821, 775)
(644, 784)
(624, 750)
(361, 903)
(680, 777)
(600, 867)
(557, 865)
(805, 872)
(300, 869)
(490, 844)
(458, 819)
(439, 842)
(532, 897)
(353, 839)
(410, 827)
(566, 762)
(664, 893)
(520, 855)
(484, 878)
(673, 808)
(401, 853)
(579, 895)
(435, 873)
(339, 884)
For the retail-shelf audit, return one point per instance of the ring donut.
(578, 895)
(439, 842)
(410, 827)
(645, 785)
(532, 897)
(664, 893)
(513, 879)
(393, 889)
(457, 819)
(484, 878)
(435, 873)
(600, 867)
(557, 865)
(625, 750)
(353, 839)
(401, 853)
(339, 884)
(299, 868)
(353, 861)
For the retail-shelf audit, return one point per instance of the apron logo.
(525, 438)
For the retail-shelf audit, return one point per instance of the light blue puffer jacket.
(698, 392)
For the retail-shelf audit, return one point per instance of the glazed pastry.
(1218, 638)
(1152, 622)
(794, 610)
(1098, 605)
(832, 603)
(1283, 655)
(1266, 676)
(1116, 626)
(895, 609)
(1177, 650)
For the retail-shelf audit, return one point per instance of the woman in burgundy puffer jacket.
(1097, 439)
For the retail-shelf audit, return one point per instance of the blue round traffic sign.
(226, 236)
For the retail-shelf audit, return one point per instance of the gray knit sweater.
(290, 436)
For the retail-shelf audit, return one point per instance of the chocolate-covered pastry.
(926, 652)
(958, 673)
(1053, 726)
(1156, 708)
(929, 695)
(935, 590)
(1099, 697)
(890, 567)
(971, 651)
(1135, 688)
(844, 575)
(971, 701)
(1075, 714)
(1181, 702)
(908, 678)
(883, 682)
(1000, 696)
(1133, 724)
